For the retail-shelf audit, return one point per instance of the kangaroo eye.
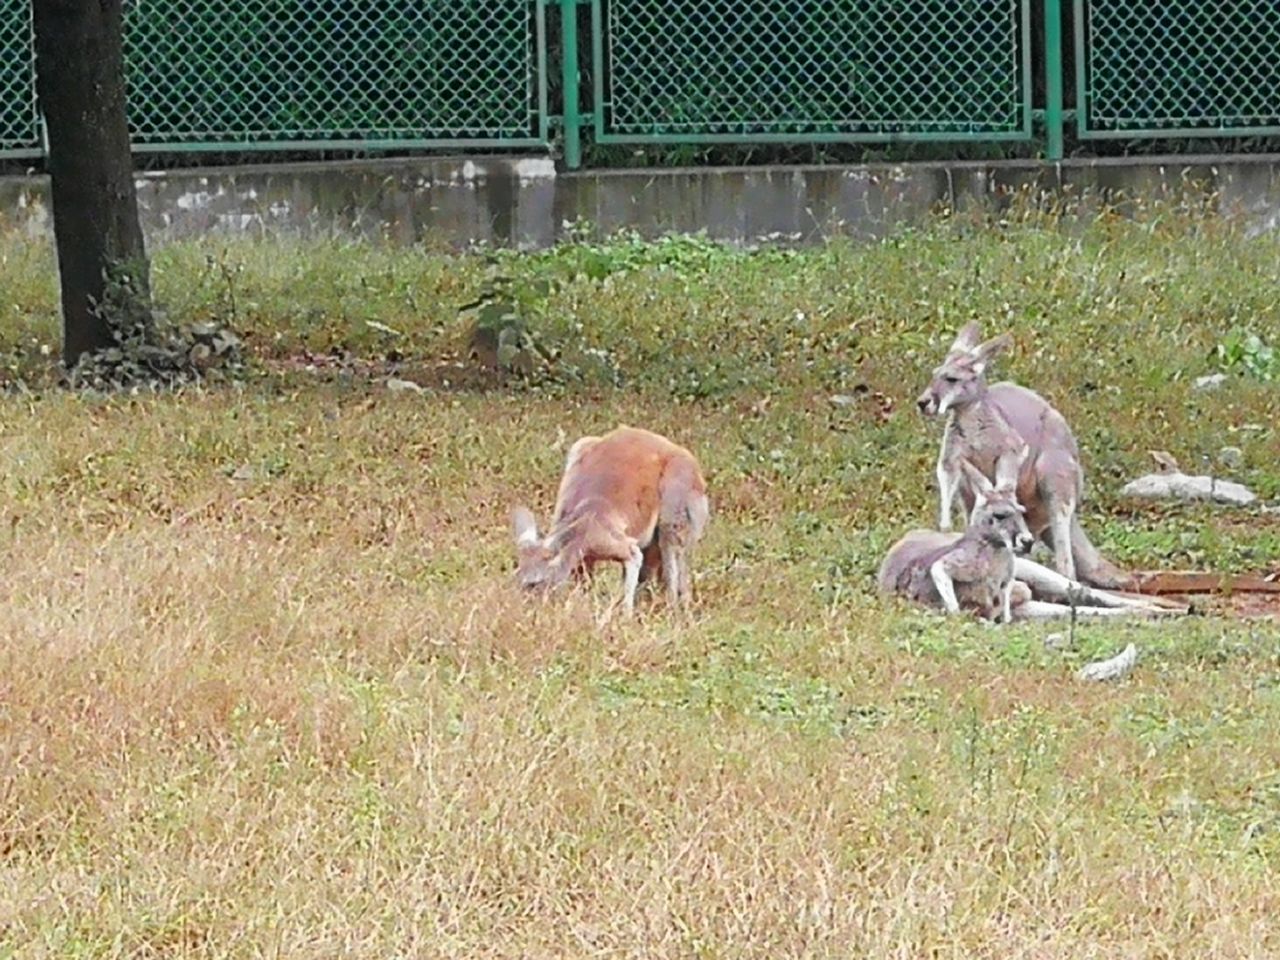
(951, 379)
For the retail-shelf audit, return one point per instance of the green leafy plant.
(1248, 353)
(505, 322)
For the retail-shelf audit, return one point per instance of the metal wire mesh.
(811, 69)
(230, 73)
(235, 74)
(1181, 66)
(19, 117)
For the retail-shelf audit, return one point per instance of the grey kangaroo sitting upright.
(988, 425)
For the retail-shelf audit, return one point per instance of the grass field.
(266, 689)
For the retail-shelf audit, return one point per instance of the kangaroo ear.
(1008, 469)
(981, 485)
(985, 352)
(560, 535)
(524, 527)
(967, 338)
(1023, 455)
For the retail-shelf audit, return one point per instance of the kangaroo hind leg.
(683, 512)
(1061, 515)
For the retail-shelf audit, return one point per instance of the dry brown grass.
(304, 714)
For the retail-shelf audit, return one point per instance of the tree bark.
(102, 261)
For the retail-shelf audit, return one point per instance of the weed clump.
(147, 356)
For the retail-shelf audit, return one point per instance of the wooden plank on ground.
(1154, 582)
(1158, 599)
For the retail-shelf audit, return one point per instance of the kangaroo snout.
(1024, 543)
(926, 403)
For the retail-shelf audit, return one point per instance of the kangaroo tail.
(1091, 566)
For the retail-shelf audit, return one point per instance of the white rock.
(1211, 382)
(400, 386)
(383, 328)
(1113, 669)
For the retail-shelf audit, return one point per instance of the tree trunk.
(102, 260)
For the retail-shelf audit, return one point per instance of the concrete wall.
(524, 202)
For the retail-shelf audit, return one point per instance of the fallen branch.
(1181, 486)
(1172, 484)
(1156, 582)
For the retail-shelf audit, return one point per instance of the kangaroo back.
(1052, 477)
(915, 551)
(613, 480)
(979, 573)
(1052, 467)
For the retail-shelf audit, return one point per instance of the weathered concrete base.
(524, 201)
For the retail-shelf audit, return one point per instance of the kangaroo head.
(539, 563)
(960, 379)
(997, 515)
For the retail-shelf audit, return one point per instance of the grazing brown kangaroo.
(630, 497)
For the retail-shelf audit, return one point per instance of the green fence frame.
(1179, 68)
(703, 59)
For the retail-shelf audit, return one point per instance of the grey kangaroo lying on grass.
(988, 426)
(973, 570)
(979, 570)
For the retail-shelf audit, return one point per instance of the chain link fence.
(228, 74)
(283, 75)
(216, 75)
(706, 70)
(1177, 68)
(19, 115)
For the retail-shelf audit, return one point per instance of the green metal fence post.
(569, 86)
(1053, 78)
